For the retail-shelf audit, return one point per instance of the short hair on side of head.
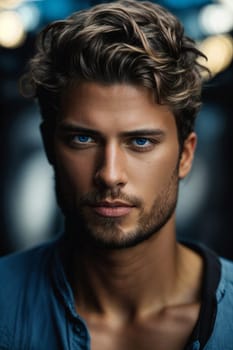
(126, 41)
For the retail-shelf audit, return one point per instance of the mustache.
(93, 198)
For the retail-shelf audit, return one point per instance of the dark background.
(28, 213)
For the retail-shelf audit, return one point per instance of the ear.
(47, 138)
(187, 155)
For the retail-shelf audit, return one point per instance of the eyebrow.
(67, 127)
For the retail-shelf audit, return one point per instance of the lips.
(112, 209)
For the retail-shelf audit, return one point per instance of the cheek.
(152, 177)
(154, 170)
(74, 172)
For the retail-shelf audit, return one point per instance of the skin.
(117, 165)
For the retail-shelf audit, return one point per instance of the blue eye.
(141, 141)
(83, 139)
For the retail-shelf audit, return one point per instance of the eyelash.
(149, 143)
(147, 146)
(141, 145)
(73, 142)
(82, 136)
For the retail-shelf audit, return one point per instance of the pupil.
(141, 141)
(83, 138)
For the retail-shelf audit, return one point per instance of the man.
(119, 88)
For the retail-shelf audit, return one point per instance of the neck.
(133, 281)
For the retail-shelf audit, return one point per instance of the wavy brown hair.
(121, 42)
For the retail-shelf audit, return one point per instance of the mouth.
(112, 209)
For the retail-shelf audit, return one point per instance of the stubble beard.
(105, 232)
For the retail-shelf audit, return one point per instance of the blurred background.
(28, 212)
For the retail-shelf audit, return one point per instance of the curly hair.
(120, 42)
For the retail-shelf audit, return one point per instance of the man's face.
(116, 163)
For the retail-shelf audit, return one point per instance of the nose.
(111, 169)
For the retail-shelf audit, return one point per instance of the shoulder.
(25, 289)
(24, 261)
(20, 270)
(225, 287)
(227, 269)
(222, 335)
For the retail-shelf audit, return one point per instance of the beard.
(106, 232)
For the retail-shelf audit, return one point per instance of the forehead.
(118, 107)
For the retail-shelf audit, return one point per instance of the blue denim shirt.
(37, 309)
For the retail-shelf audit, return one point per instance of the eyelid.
(147, 138)
(72, 142)
(128, 140)
(149, 145)
(82, 135)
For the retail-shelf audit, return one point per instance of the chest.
(138, 342)
(159, 334)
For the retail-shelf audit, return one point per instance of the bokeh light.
(6, 4)
(12, 33)
(216, 19)
(30, 15)
(228, 3)
(219, 52)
